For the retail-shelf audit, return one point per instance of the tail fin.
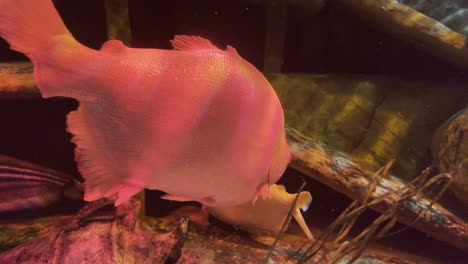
(29, 24)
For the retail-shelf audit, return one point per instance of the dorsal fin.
(114, 45)
(185, 42)
(232, 50)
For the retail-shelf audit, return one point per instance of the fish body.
(196, 122)
(268, 214)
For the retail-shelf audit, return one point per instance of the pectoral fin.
(300, 220)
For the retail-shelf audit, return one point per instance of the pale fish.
(196, 122)
(268, 214)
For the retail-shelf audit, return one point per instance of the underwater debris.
(352, 178)
(347, 250)
(17, 81)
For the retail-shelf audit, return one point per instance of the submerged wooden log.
(372, 118)
(350, 177)
(411, 26)
(16, 81)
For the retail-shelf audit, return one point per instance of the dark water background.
(331, 42)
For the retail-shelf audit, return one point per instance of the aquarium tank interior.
(249, 131)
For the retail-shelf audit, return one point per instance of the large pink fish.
(196, 122)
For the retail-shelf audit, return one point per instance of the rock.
(450, 152)
(118, 240)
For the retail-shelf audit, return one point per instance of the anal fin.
(176, 198)
(262, 191)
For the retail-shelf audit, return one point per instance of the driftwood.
(136, 239)
(411, 26)
(349, 177)
(16, 81)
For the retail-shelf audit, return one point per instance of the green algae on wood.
(16, 81)
(373, 118)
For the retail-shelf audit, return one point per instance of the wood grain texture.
(350, 177)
